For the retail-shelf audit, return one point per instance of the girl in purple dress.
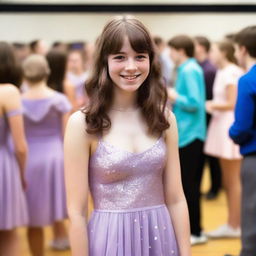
(45, 115)
(13, 152)
(123, 147)
(77, 75)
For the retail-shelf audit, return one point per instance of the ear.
(243, 50)
(182, 52)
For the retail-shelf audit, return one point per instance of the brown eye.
(119, 57)
(141, 57)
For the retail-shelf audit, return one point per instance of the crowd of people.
(141, 118)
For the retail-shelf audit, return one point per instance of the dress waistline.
(131, 210)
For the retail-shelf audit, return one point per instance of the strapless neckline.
(108, 144)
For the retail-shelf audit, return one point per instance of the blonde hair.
(35, 68)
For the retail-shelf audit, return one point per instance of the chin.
(129, 88)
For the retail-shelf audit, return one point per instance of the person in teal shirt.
(189, 104)
(188, 100)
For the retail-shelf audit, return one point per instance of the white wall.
(82, 26)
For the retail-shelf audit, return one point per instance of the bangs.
(139, 39)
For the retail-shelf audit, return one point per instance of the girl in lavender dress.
(123, 147)
(13, 152)
(77, 75)
(45, 115)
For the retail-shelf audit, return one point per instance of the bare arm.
(231, 95)
(65, 121)
(174, 195)
(17, 128)
(76, 155)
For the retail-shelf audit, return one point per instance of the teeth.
(130, 77)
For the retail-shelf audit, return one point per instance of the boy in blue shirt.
(243, 132)
(188, 100)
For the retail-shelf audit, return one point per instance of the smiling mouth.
(130, 77)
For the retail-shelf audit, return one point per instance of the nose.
(130, 65)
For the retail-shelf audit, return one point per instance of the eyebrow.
(118, 53)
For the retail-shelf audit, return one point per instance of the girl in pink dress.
(218, 143)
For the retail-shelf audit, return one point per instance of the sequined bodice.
(121, 180)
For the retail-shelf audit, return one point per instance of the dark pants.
(248, 220)
(191, 168)
(215, 172)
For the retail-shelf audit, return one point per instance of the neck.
(182, 60)
(203, 57)
(223, 63)
(77, 71)
(124, 101)
(37, 86)
(250, 62)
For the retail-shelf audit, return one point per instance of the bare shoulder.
(77, 125)
(75, 132)
(8, 90)
(77, 119)
(9, 96)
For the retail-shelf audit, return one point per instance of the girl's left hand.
(172, 94)
(209, 106)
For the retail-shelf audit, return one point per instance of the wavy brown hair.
(10, 70)
(152, 95)
(228, 49)
(57, 61)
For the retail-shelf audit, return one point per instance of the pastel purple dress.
(13, 210)
(79, 82)
(130, 216)
(45, 168)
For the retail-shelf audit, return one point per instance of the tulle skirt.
(144, 231)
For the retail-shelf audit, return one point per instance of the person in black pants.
(188, 99)
(202, 47)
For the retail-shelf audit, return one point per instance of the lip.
(130, 77)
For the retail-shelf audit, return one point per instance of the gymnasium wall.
(27, 26)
